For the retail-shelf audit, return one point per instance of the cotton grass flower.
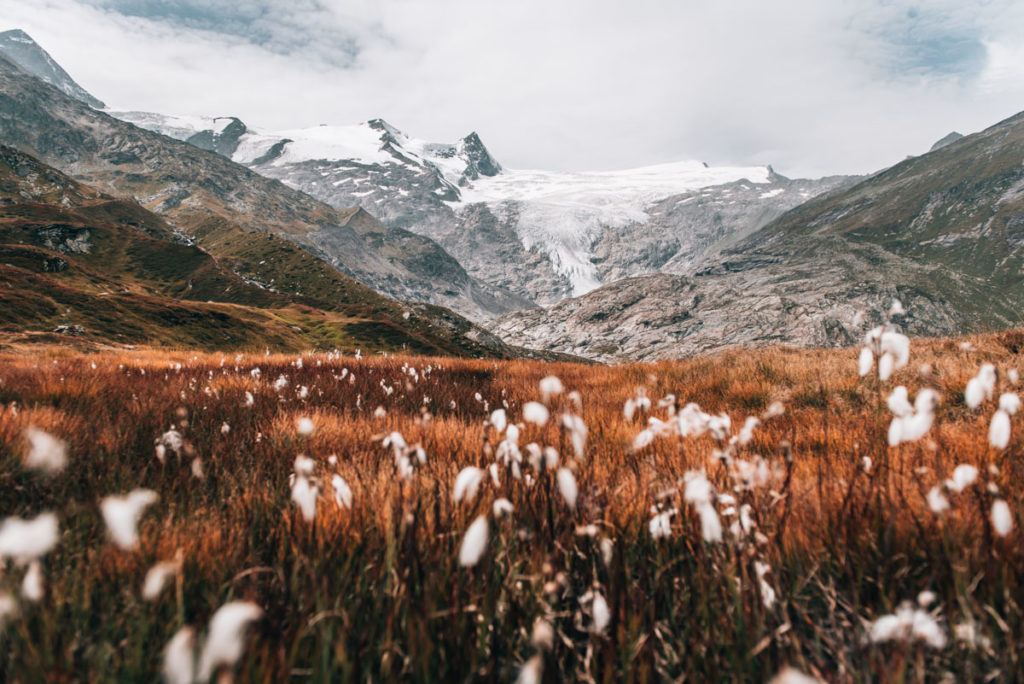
(549, 387)
(974, 394)
(543, 635)
(964, 476)
(898, 402)
(499, 420)
(46, 452)
(157, 578)
(710, 523)
(886, 364)
(8, 608)
(747, 431)
(891, 347)
(305, 427)
(25, 540)
(1002, 518)
(169, 441)
(865, 361)
(766, 589)
(577, 430)
(789, 675)
(467, 482)
(698, 488)
(532, 672)
(536, 413)
(567, 487)
(916, 421)
(643, 439)
(640, 403)
(225, 640)
(180, 657)
(908, 624)
(304, 494)
(32, 584)
(999, 430)
(981, 387)
(122, 514)
(1010, 403)
(937, 501)
(342, 492)
(501, 507)
(660, 525)
(600, 613)
(474, 543)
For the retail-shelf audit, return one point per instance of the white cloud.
(810, 87)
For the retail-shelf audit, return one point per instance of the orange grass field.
(376, 592)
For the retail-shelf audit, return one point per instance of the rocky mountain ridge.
(942, 232)
(543, 236)
(188, 185)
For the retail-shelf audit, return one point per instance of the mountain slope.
(541, 235)
(188, 185)
(73, 256)
(19, 47)
(943, 232)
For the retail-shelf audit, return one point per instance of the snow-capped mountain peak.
(373, 142)
(543, 234)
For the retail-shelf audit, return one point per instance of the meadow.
(435, 519)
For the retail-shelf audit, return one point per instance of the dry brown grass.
(375, 592)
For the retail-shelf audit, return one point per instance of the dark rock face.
(19, 47)
(66, 239)
(224, 142)
(480, 161)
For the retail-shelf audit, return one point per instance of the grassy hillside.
(72, 256)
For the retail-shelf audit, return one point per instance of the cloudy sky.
(811, 87)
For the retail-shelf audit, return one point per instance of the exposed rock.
(940, 232)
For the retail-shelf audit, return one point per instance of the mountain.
(947, 139)
(19, 47)
(76, 261)
(942, 232)
(543, 236)
(187, 186)
(548, 236)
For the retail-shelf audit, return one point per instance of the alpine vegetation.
(394, 518)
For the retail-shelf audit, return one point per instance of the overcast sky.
(813, 87)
